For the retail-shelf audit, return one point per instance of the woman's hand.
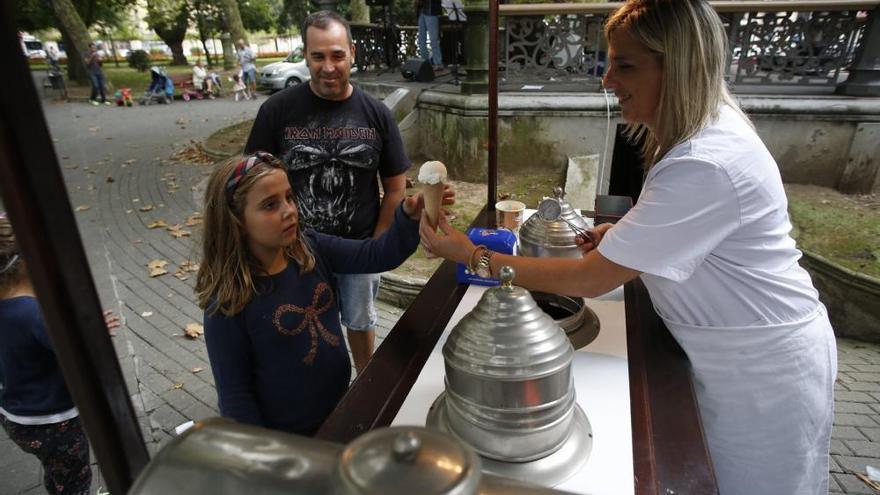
(448, 243)
(596, 235)
(413, 205)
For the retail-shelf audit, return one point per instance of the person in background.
(247, 61)
(36, 410)
(429, 12)
(709, 237)
(201, 81)
(336, 143)
(96, 75)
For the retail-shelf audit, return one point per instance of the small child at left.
(36, 409)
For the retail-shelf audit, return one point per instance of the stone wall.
(815, 140)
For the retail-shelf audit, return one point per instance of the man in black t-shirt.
(334, 139)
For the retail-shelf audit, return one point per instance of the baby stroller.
(161, 88)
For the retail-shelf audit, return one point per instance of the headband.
(243, 167)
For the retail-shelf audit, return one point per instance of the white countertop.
(601, 383)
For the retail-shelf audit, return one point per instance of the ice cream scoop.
(432, 172)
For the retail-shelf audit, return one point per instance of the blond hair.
(225, 281)
(689, 40)
(12, 270)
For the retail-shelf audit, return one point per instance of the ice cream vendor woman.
(709, 236)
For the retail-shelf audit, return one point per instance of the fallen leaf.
(94, 129)
(82, 207)
(158, 224)
(110, 179)
(129, 211)
(146, 208)
(194, 219)
(177, 232)
(71, 167)
(146, 314)
(181, 275)
(193, 330)
(189, 266)
(136, 200)
(129, 162)
(197, 369)
(178, 386)
(157, 268)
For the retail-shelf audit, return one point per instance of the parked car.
(290, 71)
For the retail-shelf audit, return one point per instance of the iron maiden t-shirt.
(332, 151)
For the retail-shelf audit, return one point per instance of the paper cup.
(509, 214)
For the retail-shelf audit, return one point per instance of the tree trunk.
(76, 39)
(229, 59)
(177, 55)
(233, 20)
(359, 11)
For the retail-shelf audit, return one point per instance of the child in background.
(271, 317)
(35, 407)
(239, 89)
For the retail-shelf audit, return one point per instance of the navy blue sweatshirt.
(282, 362)
(31, 378)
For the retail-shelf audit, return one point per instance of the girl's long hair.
(688, 38)
(225, 281)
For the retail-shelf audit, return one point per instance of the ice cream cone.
(433, 194)
(433, 176)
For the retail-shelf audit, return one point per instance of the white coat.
(710, 234)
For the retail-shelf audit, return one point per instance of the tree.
(232, 19)
(170, 20)
(76, 39)
(359, 11)
(73, 18)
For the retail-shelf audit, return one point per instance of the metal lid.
(408, 460)
(507, 336)
(542, 237)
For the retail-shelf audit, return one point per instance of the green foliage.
(292, 15)
(138, 60)
(256, 15)
(33, 15)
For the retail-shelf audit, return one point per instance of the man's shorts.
(249, 75)
(356, 293)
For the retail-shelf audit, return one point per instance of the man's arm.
(394, 189)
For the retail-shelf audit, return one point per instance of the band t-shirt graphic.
(332, 151)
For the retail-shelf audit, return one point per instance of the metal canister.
(509, 390)
(552, 238)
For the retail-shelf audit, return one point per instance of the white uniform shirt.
(710, 234)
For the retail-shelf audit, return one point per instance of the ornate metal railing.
(377, 47)
(799, 44)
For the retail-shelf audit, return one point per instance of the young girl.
(35, 407)
(271, 318)
(239, 89)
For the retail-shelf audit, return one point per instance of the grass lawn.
(844, 229)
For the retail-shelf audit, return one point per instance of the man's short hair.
(322, 20)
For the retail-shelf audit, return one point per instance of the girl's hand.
(448, 243)
(596, 235)
(112, 321)
(413, 205)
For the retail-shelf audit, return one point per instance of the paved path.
(115, 163)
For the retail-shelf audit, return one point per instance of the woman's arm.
(229, 351)
(590, 276)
